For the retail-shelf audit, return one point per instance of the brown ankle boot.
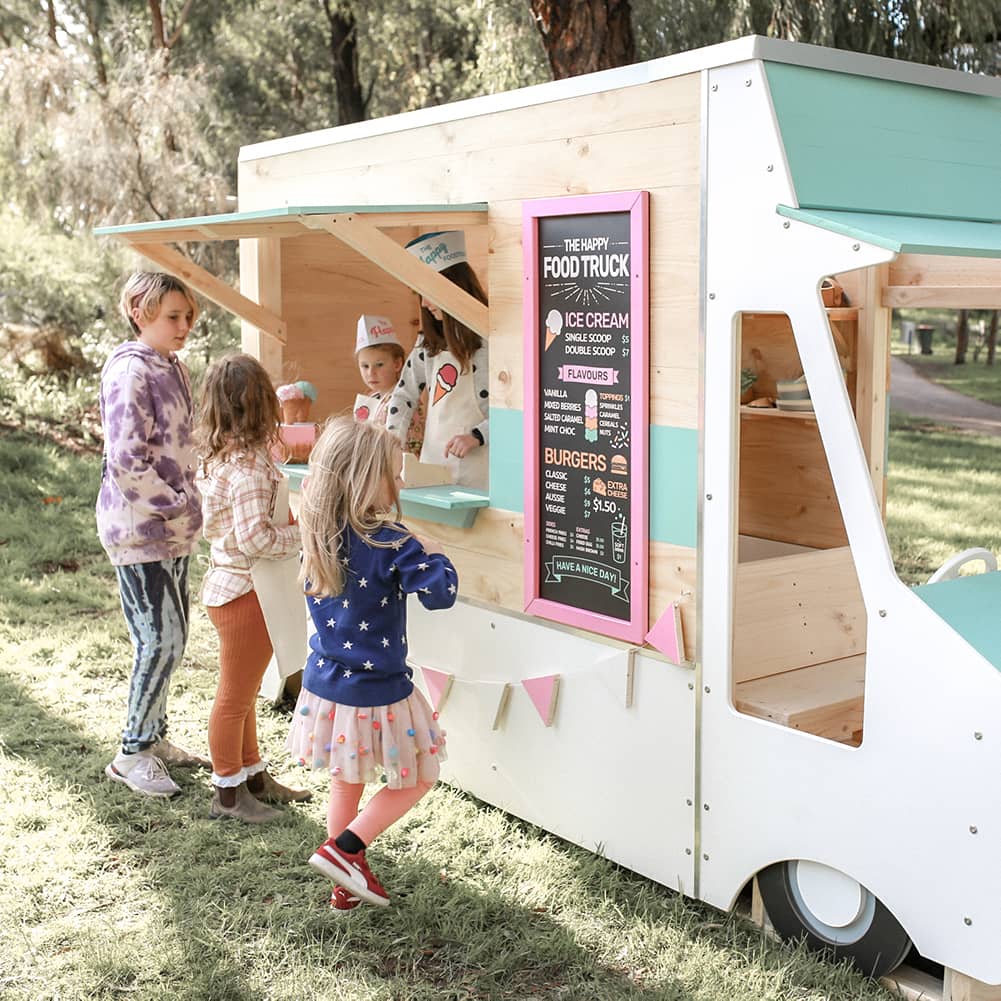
(245, 808)
(270, 791)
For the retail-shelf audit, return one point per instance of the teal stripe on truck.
(674, 473)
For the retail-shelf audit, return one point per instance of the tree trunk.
(351, 101)
(164, 44)
(583, 36)
(992, 337)
(95, 17)
(50, 13)
(962, 336)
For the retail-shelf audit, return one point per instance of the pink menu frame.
(637, 204)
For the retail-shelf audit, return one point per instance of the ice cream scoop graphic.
(445, 381)
(554, 324)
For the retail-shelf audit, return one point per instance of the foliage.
(47, 277)
(146, 146)
(959, 34)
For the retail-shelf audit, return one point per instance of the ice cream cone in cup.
(295, 411)
(296, 398)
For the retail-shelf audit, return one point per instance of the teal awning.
(289, 220)
(907, 234)
(863, 144)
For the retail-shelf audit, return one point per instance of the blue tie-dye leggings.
(155, 603)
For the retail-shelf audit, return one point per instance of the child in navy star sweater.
(359, 714)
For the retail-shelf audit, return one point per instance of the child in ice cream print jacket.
(149, 514)
(450, 362)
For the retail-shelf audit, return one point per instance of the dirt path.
(912, 394)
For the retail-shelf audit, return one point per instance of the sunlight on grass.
(942, 490)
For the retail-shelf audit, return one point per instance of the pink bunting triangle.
(543, 692)
(666, 635)
(439, 685)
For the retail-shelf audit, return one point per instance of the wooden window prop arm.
(402, 265)
(174, 262)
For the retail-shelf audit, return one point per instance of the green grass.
(942, 494)
(105, 895)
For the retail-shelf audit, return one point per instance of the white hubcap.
(833, 898)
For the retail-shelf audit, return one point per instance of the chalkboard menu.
(586, 412)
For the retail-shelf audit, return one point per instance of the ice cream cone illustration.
(554, 324)
(445, 381)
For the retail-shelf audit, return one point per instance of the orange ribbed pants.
(244, 653)
(383, 810)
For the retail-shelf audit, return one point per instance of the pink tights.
(381, 811)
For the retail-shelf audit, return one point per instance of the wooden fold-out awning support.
(359, 226)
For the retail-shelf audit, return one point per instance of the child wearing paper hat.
(380, 358)
(450, 362)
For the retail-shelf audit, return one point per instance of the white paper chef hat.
(375, 331)
(440, 250)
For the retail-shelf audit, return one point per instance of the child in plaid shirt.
(239, 482)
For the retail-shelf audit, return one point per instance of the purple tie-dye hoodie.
(149, 508)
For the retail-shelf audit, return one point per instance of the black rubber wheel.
(874, 940)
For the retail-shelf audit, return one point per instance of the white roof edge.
(819, 57)
(723, 54)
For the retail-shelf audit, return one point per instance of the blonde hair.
(145, 291)
(239, 410)
(349, 466)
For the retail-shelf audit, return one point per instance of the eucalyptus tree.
(958, 34)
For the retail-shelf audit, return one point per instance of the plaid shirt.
(238, 505)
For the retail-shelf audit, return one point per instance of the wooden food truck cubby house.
(732, 734)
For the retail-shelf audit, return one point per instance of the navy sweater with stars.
(358, 653)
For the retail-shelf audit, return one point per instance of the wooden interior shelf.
(797, 415)
(825, 699)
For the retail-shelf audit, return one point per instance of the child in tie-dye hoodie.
(149, 514)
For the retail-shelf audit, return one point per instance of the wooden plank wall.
(931, 281)
(794, 611)
(645, 137)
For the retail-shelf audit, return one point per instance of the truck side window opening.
(799, 620)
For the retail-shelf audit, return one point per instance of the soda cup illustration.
(619, 541)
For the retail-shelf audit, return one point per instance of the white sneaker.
(143, 773)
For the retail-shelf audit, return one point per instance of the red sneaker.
(341, 900)
(350, 870)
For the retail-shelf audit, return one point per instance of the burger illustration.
(619, 465)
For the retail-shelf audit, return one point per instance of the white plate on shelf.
(803, 406)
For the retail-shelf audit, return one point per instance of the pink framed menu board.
(586, 411)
